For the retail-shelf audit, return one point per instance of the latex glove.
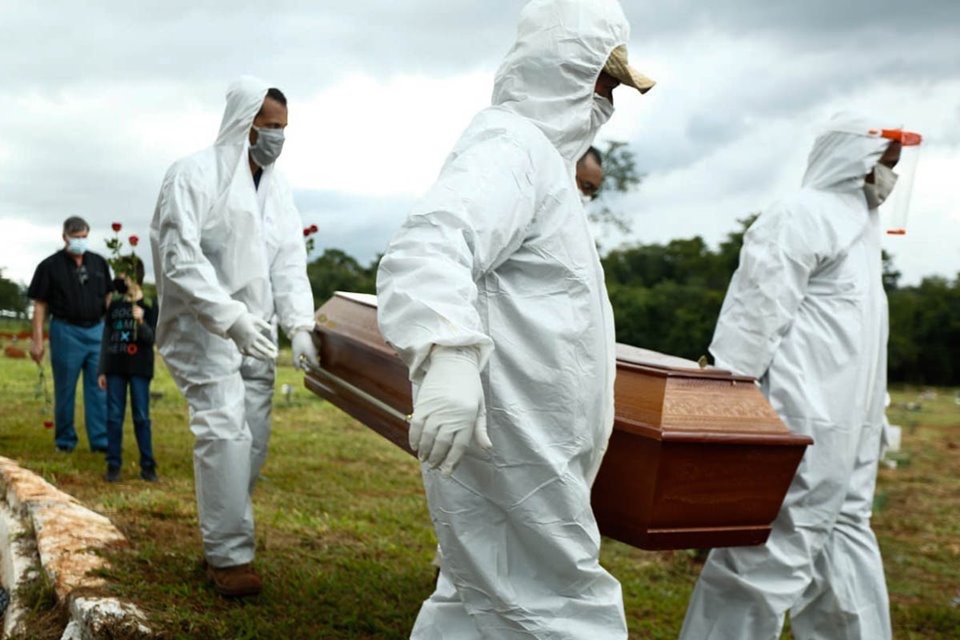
(448, 414)
(250, 333)
(302, 345)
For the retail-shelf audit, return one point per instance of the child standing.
(126, 360)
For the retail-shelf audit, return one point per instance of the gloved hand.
(302, 345)
(250, 333)
(449, 414)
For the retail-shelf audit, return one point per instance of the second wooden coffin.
(697, 458)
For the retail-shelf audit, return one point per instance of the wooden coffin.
(697, 458)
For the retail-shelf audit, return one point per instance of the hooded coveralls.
(806, 313)
(222, 246)
(499, 255)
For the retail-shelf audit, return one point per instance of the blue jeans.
(74, 349)
(139, 409)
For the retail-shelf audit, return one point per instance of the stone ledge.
(17, 565)
(70, 539)
(106, 618)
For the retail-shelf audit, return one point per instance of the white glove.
(449, 413)
(251, 335)
(302, 345)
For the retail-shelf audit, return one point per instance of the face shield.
(894, 210)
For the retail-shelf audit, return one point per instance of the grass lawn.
(345, 541)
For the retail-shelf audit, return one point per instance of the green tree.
(13, 298)
(925, 332)
(668, 317)
(335, 270)
(891, 277)
(620, 175)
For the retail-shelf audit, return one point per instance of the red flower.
(134, 241)
(48, 424)
(306, 232)
(116, 226)
(313, 228)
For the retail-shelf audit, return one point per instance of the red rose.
(134, 241)
(116, 226)
(306, 232)
(313, 228)
(48, 424)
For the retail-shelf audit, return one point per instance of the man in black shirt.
(71, 286)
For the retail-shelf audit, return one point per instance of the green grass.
(43, 618)
(345, 540)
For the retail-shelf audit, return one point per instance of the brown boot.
(235, 582)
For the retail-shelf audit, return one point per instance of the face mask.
(76, 246)
(884, 180)
(585, 199)
(600, 112)
(268, 146)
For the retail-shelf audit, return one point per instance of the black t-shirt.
(75, 294)
(127, 347)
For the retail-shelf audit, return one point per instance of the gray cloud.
(188, 42)
(731, 68)
(811, 22)
(364, 225)
(182, 41)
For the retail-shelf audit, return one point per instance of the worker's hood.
(550, 73)
(244, 100)
(844, 154)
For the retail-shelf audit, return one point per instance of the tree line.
(667, 297)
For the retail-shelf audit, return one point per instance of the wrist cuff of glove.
(469, 354)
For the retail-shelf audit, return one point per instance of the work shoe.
(150, 475)
(112, 475)
(238, 581)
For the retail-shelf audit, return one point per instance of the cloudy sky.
(98, 98)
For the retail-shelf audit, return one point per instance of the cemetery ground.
(345, 541)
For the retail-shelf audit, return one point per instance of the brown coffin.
(697, 458)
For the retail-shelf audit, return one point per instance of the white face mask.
(585, 199)
(76, 246)
(600, 112)
(884, 180)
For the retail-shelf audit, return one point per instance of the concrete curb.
(69, 537)
(16, 564)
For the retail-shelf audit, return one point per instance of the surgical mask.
(76, 246)
(884, 180)
(268, 146)
(600, 112)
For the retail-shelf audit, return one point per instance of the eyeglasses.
(82, 274)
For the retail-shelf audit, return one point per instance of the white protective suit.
(499, 255)
(221, 247)
(806, 313)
